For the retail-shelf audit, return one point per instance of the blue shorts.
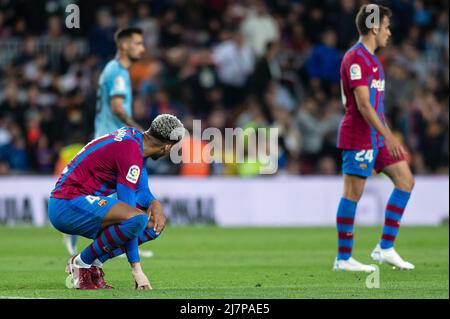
(359, 162)
(80, 216)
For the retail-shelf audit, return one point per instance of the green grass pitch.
(212, 262)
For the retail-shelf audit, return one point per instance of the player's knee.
(412, 183)
(139, 223)
(151, 232)
(406, 183)
(353, 195)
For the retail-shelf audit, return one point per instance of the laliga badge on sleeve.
(133, 174)
(355, 72)
(119, 83)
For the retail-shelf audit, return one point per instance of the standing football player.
(367, 143)
(114, 97)
(80, 203)
(114, 94)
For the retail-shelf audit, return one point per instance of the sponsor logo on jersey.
(363, 166)
(377, 84)
(133, 174)
(355, 72)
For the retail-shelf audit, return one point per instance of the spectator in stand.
(259, 28)
(325, 60)
(234, 61)
(101, 39)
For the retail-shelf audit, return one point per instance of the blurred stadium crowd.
(230, 63)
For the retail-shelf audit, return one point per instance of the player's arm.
(366, 109)
(128, 162)
(146, 200)
(126, 194)
(119, 111)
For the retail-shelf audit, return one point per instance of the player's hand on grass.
(140, 279)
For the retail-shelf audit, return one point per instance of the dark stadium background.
(48, 77)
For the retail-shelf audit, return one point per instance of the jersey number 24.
(364, 155)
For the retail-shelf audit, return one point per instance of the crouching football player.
(79, 203)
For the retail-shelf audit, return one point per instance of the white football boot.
(351, 264)
(79, 277)
(391, 257)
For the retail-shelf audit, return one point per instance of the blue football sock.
(393, 215)
(115, 236)
(146, 235)
(345, 221)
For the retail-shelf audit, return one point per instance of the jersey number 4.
(92, 199)
(364, 155)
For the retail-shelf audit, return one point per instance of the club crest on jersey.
(133, 174)
(355, 72)
(102, 202)
(377, 84)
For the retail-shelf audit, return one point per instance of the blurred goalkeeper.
(80, 203)
(114, 97)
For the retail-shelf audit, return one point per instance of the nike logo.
(374, 69)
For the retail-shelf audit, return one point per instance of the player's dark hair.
(364, 13)
(126, 33)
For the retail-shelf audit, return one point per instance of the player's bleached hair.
(167, 128)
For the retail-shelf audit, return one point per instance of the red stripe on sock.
(120, 234)
(345, 221)
(110, 238)
(100, 243)
(395, 209)
(110, 253)
(343, 235)
(345, 249)
(391, 222)
(388, 237)
(91, 247)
